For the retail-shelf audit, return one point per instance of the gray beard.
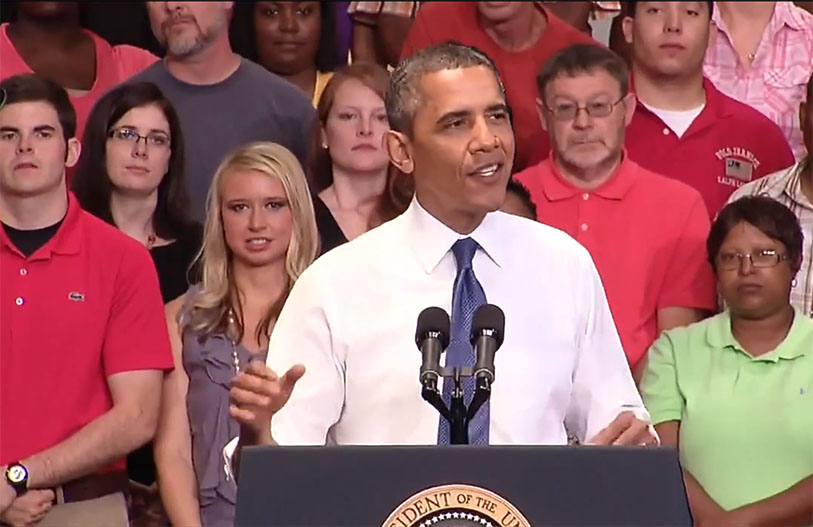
(185, 47)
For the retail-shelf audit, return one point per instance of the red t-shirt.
(647, 236)
(438, 22)
(727, 145)
(83, 307)
(114, 64)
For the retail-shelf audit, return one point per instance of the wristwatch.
(17, 477)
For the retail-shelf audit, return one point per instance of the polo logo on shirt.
(739, 166)
(76, 297)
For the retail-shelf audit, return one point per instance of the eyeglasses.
(567, 111)
(761, 259)
(128, 135)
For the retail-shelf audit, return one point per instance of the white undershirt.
(677, 121)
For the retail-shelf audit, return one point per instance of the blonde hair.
(208, 310)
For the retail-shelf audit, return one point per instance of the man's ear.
(626, 27)
(630, 105)
(540, 112)
(399, 149)
(74, 148)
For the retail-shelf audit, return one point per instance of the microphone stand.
(457, 414)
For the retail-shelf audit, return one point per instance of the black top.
(330, 233)
(172, 262)
(27, 242)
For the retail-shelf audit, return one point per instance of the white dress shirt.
(350, 319)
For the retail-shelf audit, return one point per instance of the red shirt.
(437, 22)
(84, 306)
(647, 236)
(727, 145)
(114, 64)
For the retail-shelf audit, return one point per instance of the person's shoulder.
(664, 189)
(771, 185)
(155, 72)
(523, 236)
(109, 242)
(742, 117)
(681, 337)
(567, 34)
(281, 94)
(132, 60)
(438, 10)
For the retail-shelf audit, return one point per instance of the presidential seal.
(456, 506)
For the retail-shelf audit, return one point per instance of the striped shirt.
(775, 82)
(785, 187)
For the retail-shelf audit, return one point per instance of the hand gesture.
(626, 429)
(257, 393)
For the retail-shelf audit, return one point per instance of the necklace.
(230, 332)
(150, 240)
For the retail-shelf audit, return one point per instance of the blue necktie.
(468, 295)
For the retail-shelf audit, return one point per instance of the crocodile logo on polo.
(456, 506)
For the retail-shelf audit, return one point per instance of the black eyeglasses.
(567, 111)
(128, 135)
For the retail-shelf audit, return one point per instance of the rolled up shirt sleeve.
(603, 386)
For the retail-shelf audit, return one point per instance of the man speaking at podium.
(343, 365)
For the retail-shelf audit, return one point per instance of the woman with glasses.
(260, 235)
(131, 175)
(734, 393)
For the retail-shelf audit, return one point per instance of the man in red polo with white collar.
(684, 127)
(83, 340)
(519, 37)
(645, 232)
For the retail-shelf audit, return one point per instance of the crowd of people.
(229, 245)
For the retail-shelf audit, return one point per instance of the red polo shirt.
(647, 236)
(727, 145)
(438, 22)
(83, 307)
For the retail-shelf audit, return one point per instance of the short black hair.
(772, 218)
(30, 87)
(521, 191)
(628, 8)
(91, 184)
(403, 95)
(243, 38)
(584, 58)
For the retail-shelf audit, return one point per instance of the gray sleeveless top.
(209, 364)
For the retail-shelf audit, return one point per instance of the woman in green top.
(734, 393)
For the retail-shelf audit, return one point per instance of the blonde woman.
(260, 234)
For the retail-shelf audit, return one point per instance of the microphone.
(487, 328)
(432, 338)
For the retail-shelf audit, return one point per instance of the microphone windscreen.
(432, 319)
(489, 316)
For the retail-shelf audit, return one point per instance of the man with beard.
(645, 232)
(223, 100)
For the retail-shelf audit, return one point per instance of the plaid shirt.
(775, 82)
(785, 187)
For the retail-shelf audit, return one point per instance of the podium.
(460, 486)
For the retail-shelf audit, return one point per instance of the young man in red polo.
(83, 340)
(645, 232)
(684, 127)
(519, 37)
